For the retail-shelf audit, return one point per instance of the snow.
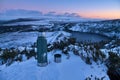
(73, 68)
(43, 22)
(57, 36)
(75, 28)
(17, 39)
(114, 50)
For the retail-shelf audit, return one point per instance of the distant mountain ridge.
(18, 20)
(34, 19)
(21, 13)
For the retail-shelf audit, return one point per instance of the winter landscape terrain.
(90, 48)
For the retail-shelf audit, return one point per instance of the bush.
(88, 61)
(113, 62)
(72, 41)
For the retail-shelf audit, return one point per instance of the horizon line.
(62, 13)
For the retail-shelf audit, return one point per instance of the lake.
(91, 37)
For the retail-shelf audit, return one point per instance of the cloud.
(62, 15)
(50, 14)
(21, 13)
(71, 14)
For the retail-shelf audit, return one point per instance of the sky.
(86, 8)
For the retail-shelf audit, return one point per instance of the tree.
(0, 49)
(72, 41)
(88, 60)
(32, 53)
(113, 61)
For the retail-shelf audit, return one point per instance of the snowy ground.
(114, 50)
(73, 68)
(69, 69)
(17, 39)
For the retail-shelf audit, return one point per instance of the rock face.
(42, 51)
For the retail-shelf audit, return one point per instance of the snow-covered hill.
(22, 33)
(73, 68)
(16, 39)
(69, 69)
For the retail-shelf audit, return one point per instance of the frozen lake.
(91, 37)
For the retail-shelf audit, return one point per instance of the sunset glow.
(105, 15)
(108, 9)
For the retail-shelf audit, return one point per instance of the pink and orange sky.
(108, 9)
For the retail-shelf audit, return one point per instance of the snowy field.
(16, 39)
(73, 68)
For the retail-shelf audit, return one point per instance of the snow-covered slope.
(69, 69)
(16, 39)
(74, 68)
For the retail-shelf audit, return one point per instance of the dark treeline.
(8, 56)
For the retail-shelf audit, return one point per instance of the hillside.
(68, 69)
(81, 60)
